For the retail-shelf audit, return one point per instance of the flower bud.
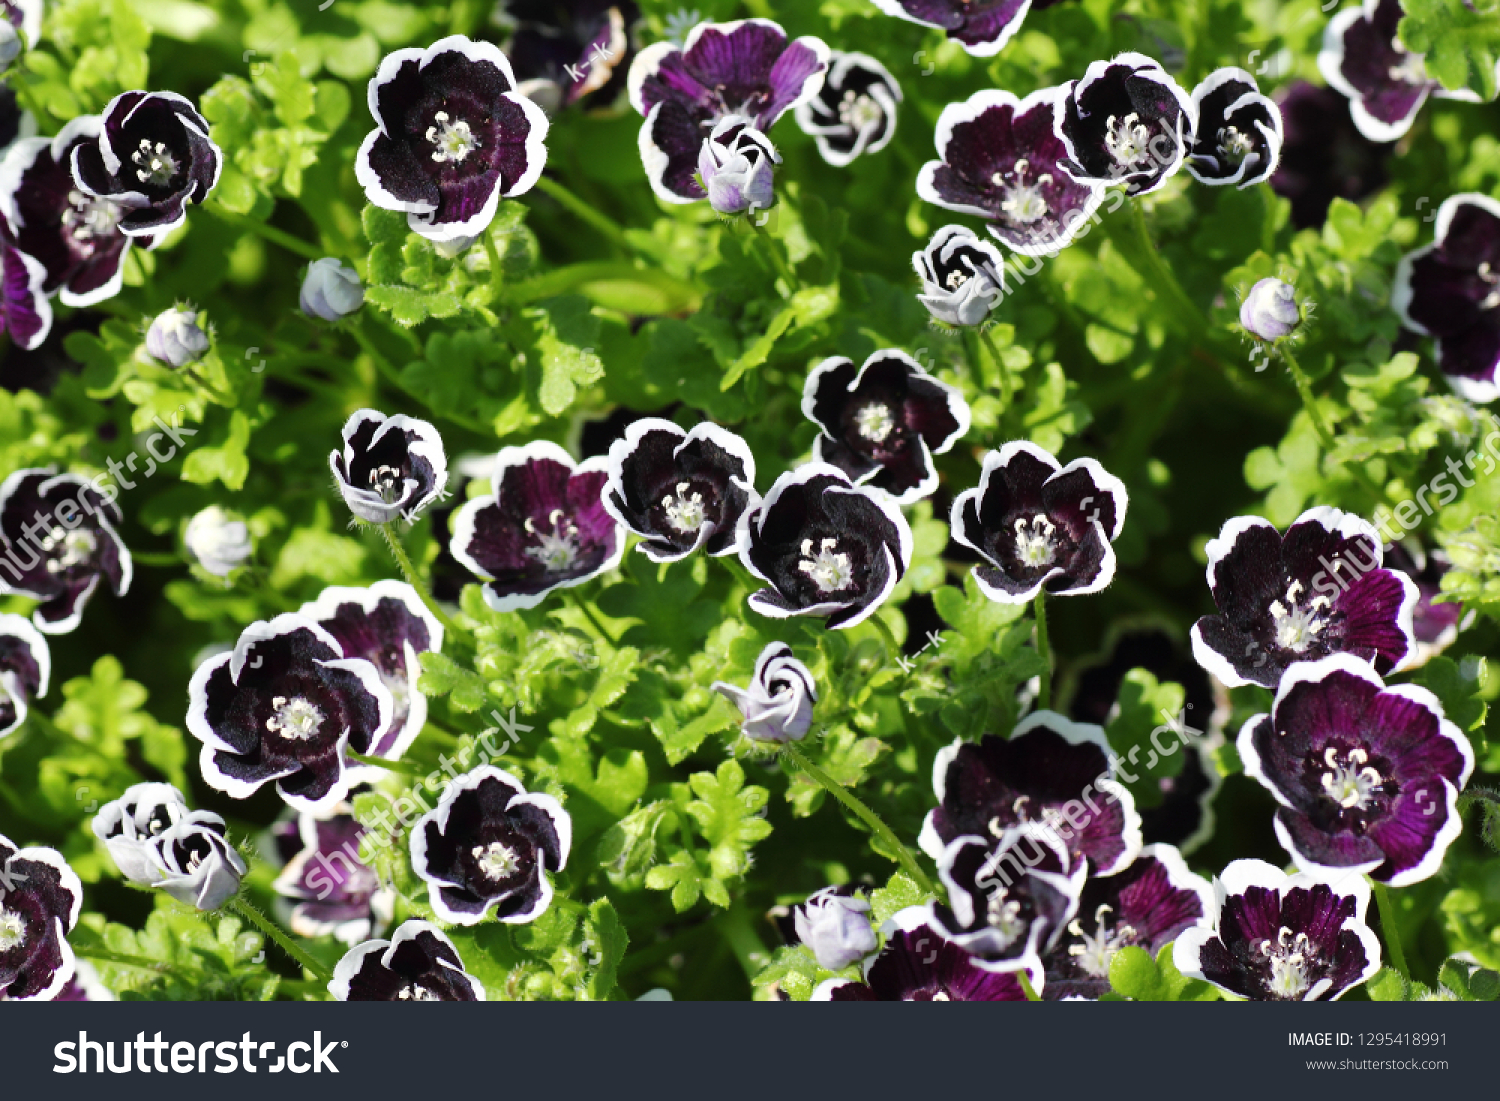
(195, 863)
(778, 704)
(218, 540)
(10, 43)
(963, 277)
(1270, 310)
(330, 290)
(129, 825)
(833, 923)
(737, 165)
(175, 338)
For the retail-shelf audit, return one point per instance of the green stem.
(1160, 277)
(1044, 691)
(1389, 929)
(886, 635)
(1026, 988)
(783, 270)
(208, 388)
(271, 929)
(497, 271)
(120, 959)
(735, 927)
(406, 768)
(741, 574)
(270, 233)
(416, 582)
(904, 857)
(1320, 426)
(583, 211)
(1004, 371)
(680, 296)
(1268, 219)
(571, 595)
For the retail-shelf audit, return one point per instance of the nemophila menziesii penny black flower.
(884, 421)
(854, 113)
(1435, 623)
(680, 490)
(1237, 137)
(333, 891)
(743, 68)
(25, 313)
(1051, 774)
(151, 158)
(1282, 938)
(76, 236)
(488, 846)
(40, 898)
(25, 666)
(1320, 589)
(999, 157)
(452, 137)
(1367, 776)
(130, 825)
(737, 164)
(57, 539)
(389, 467)
(1145, 906)
(963, 277)
(1126, 121)
(418, 964)
(573, 52)
(195, 863)
(1450, 290)
(918, 965)
(387, 625)
(825, 546)
(1323, 154)
(1039, 524)
(981, 27)
(778, 704)
(543, 527)
(285, 705)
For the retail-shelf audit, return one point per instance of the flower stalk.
(241, 908)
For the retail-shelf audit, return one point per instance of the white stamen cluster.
(88, 218)
(1411, 69)
(1126, 139)
(156, 166)
(1023, 202)
(1290, 957)
(452, 137)
(859, 111)
(684, 510)
(496, 860)
(1297, 625)
(411, 992)
(1035, 545)
(830, 570)
(66, 549)
(874, 422)
(297, 718)
(1095, 952)
(1003, 915)
(1491, 278)
(387, 481)
(1234, 144)
(12, 930)
(556, 550)
(1349, 781)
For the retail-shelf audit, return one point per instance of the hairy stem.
(585, 212)
(243, 909)
(783, 270)
(1159, 276)
(1004, 372)
(415, 581)
(1320, 426)
(407, 768)
(886, 635)
(120, 959)
(572, 597)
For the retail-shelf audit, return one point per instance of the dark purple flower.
(390, 466)
(1386, 83)
(778, 704)
(25, 313)
(1145, 906)
(1282, 938)
(76, 236)
(580, 48)
(418, 964)
(982, 27)
(195, 863)
(452, 137)
(57, 539)
(883, 423)
(1126, 121)
(1450, 290)
(1323, 155)
(1367, 776)
(680, 490)
(25, 666)
(335, 892)
(543, 527)
(919, 965)
(742, 68)
(1237, 136)
(85, 986)
(130, 824)
(286, 705)
(963, 277)
(854, 113)
(825, 546)
(1039, 524)
(1435, 622)
(1318, 590)
(488, 845)
(1052, 775)
(1000, 158)
(40, 897)
(152, 157)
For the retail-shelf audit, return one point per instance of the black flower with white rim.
(25, 667)
(1367, 777)
(981, 27)
(575, 52)
(854, 113)
(1323, 154)
(418, 964)
(1450, 290)
(1145, 906)
(883, 422)
(825, 546)
(487, 848)
(25, 313)
(333, 891)
(151, 158)
(1320, 589)
(195, 863)
(1051, 774)
(963, 277)
(778, 704)
(452, 137)
(543, 526)
(1237, 137)
(746, 68)
(917, 964)
(285, 705)
(1040, 525)
(387, 625)
(1282, 938)
(74, 235)
(1000, 158)
(57, 540)
(130, 825)
(680, 490)
(40, 898)
(389, 467)
(1125, 122)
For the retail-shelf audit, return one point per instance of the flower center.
(1023, 202)
(12, 930)
(412, 992)
(874, 422)
(452, 137)
(1126, 139)
(296, 718)
(1003, 914)
(1351, 781)
(957, 278)
(87, 218)
(1491, 279)
(155, 165)
(1094, 953)
(1298, 626)
(556, 550)
(684, 510)
(66, 549)
(496, 860)
(1234, 144)
(1411, 69)
(829, 570)
(1290, 958)
(387, 481)
(857, 111)
(1035, 546)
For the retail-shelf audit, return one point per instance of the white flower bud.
(330, 290)
(778, 705)
(737, 164)
(218, 540)
(129, 825)
(195, 864)
(1270, 310)
(175, 338)
(834, 925)
(963, 277)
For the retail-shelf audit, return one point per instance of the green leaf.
(567, 334)
(226, 462)
(900, 892)
(1133, 973)
(1386, 986)
(442, 676)
(1461, 43)
(605, 941)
